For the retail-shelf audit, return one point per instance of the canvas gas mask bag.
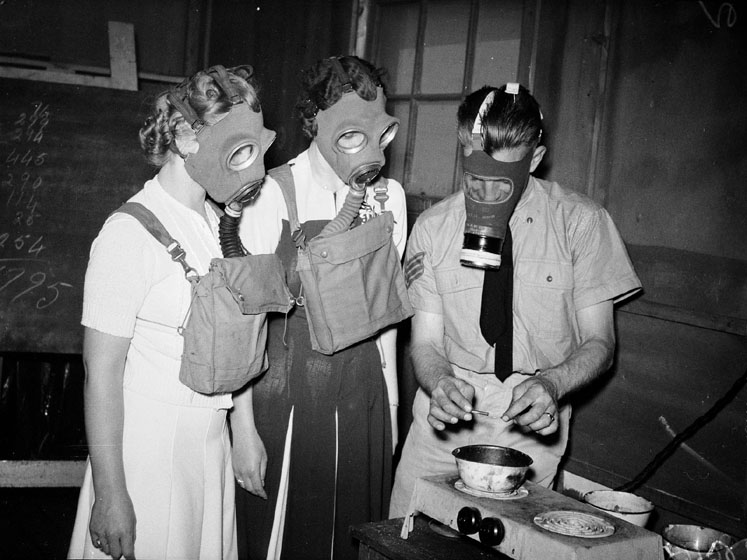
(352, 281)
(225, 329)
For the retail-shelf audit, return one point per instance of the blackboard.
(69, 155)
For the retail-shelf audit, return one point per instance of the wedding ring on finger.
(551, 415)
(97, 543)
(241, 482)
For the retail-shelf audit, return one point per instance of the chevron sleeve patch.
(414, 268)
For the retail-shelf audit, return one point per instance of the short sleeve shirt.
(133, 289)
(567, 254)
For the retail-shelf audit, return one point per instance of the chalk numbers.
(25, 271)
(24, 163)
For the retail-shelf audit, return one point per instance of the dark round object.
(468, 520)
(491, 531)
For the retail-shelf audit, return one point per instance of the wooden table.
(382, 541)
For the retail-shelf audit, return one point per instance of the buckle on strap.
(381, 194)
(179, 255)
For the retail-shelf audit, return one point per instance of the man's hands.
(534, 405)
(451, 400)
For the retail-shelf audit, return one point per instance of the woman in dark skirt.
(322, 454)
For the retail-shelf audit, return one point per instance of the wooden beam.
(41, 474)
(530, 21)
(360, 27)
(122, 58)
(122, 73)
(52, 76)
(721, 323)
(28, 68)
(193, 37)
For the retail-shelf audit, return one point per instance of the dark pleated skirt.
(341, 451)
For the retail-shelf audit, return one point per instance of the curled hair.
(322, 86)
(208, 100)
(512, 121)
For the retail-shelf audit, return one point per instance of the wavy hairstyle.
(201, 91)
(322, 86)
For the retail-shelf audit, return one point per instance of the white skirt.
(179, 474)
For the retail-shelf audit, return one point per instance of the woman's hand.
(112, 526)
(250, 463)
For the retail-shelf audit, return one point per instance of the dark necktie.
(496, 311)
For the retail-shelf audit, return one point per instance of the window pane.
(435, 150)
(497, 45)
(395, 154)
(445, 47)
(396, 47)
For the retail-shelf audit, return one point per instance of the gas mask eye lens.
(351, 142)
(388, 135)
(487, 189)
(242, 157)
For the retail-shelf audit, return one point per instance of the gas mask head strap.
(346, 84)
(177, 97)
(183, 106)
(220, 75)
(487, 103)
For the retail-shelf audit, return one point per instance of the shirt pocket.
(543, 297)
(460, 290)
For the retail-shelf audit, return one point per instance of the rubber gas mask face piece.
(352, 135)
(492, 190)
(230, 161)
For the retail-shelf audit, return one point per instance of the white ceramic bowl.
(631, 508)
(491, 468)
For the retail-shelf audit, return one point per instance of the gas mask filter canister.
(492, 190)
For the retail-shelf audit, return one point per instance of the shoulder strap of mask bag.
(284, 177)
(225, 329)
(154, 226)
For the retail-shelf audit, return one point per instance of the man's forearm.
(589, 361)
(430, 365)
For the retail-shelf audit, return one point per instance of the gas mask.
(229, 163)
(492, 190)
(352, 135)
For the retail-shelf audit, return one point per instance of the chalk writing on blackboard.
(25, 272)
(726, 11)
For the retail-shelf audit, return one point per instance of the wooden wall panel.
(666, 376)
(648, 118)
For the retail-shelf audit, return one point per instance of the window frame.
(367, 36)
